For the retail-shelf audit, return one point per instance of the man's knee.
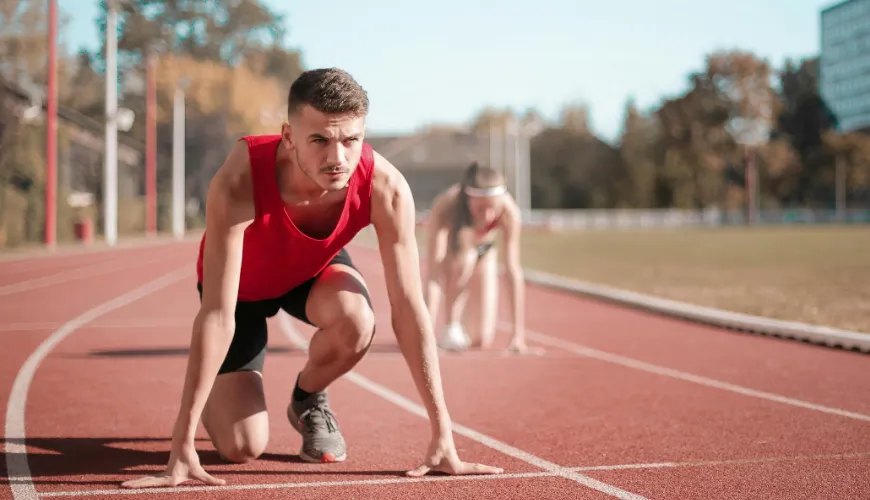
(242, 449)
(355, 326)
(339, 303)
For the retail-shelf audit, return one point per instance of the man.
(278, 215)
(463, 224)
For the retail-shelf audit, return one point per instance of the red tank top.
(277, 256)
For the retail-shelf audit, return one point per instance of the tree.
(217, 30)
(575, 117)
(637, 150)
(695, 146)
(573, 169)
(852, 153)
(804, 120)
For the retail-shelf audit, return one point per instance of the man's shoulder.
(386, 178)
(232, 181)
(392, 199)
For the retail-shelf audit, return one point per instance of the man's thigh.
(337, 292)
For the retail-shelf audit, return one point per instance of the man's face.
(327, 147)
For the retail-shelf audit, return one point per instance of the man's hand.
(442, 457)
(183, 466)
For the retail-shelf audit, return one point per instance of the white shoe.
(454, 338)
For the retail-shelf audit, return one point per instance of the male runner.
(279, 212)
(462, 228)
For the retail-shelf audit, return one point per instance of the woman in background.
(462, 261)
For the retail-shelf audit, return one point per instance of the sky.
(442, 62)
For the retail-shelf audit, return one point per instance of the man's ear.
(287, 136)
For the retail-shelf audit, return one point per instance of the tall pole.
(840, 187)
(110, 169)
(51, 130)
(517, 130)
(525, 201)
(751, 182)
(151, 144)
(178, 164)
(496, 146)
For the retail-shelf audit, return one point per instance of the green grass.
(818, 275)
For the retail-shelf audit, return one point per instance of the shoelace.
(312, 416)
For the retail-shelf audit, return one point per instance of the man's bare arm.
(393, 216)
(394, 219)
(227, 217)
(228, 213)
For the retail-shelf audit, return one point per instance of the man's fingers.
(419, 471)
(207, 478)
(468, 468)
(148, 482)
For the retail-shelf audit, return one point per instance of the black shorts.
(247, 351)
(483, 248)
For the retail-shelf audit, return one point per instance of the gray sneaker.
(322, 441)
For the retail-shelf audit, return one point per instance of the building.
(432, 160)
(845, 63)
(80, 149)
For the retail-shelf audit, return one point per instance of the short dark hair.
(328, 90)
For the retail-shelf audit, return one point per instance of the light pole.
(110, 157)
(525, 129)
(178, 138)
(51, 131)
(116, 119)
(151, 142)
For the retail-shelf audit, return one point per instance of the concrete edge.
(70, 249)
(790, 330)
(746, 323)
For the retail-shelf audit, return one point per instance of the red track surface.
(623, 404)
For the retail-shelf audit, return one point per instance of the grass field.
(818, 275)
(815, 274)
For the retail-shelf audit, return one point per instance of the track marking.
(708, 463)
(669, 372)
(16, 450)
(397, 399)
(430, 479)
(73, 274)
(132, 323)
(277, 486)
(65, 252)
(680, 375)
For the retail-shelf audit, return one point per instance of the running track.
(623, 404)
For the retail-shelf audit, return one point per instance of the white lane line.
(669, 372)
(73, 274)
(680, 375)
(397, 399)
(709, 463)
(432, 479)
(16, 451)
(279, 486)
(133, 323)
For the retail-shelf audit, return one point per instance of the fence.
(672, 218)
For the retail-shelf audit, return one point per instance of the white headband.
(485, 192)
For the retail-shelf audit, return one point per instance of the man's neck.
(293, 183)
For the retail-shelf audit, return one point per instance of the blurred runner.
(463, 261)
